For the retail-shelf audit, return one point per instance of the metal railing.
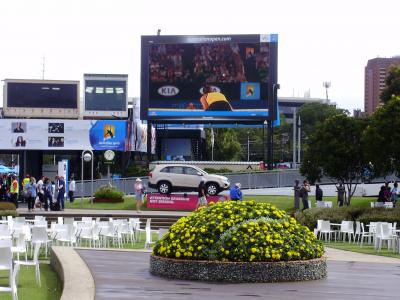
(254, 180)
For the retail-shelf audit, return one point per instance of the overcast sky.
(318, 40)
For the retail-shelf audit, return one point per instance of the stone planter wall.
(238, 271)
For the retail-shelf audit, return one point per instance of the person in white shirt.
(71, 189)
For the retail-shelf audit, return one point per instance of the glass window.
(176, 170)
(190, 171)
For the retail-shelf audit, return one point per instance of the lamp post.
(248, 146)
(87, 155)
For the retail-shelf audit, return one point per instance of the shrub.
(7, 206)
(217, 171)
(239, 231)
(4, 213)
(110, 192)
(337, 214)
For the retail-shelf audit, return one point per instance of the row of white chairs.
(378, 232)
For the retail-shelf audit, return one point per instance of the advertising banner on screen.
(228, 77)
(139, 138)
(52, 134)
(178, 201)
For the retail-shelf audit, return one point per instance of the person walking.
(61, 192)
(31, 188)
(48, 193)
(202, 194)
(305, 189)
(296, 195)
(235, 192)
(40, 191)
(71, 189)
(140, 191)
(25, 181)
(14, 188)
(318, 193)
(340, 194)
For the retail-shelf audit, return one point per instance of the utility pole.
(248, 146)
(294, 136)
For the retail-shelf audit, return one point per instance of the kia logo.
(213, 89)
(168, 90)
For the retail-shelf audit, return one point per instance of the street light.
(248, 146)
(87, 155)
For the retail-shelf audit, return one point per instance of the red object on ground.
(178, 201)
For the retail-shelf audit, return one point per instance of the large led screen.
(106, 95)
(208, 77)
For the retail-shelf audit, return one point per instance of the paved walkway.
(133, 213)
(125, 275)
(349, 256)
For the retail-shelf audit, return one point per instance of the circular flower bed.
(237, 232)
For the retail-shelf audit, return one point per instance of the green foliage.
(7, 206)
(107, 191)
(392, 82)
(135, 170)
(315, 113)
(382, 138)
(226, 144)
(217, 171)
(239, 231)
(335, 150)
(337, 214)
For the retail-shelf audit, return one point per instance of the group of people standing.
(42, 193)
(387, 194)
(301, 192)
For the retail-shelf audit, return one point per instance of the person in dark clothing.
(318, 193)
(381, 196)
(340, 194)
(305, 189)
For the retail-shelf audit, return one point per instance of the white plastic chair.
(357, 233)
(60, 220)
(320, 204)
(347, 228)
(67, 236)
(388, 205)
(365, 234)
(12, 288)
(326, 230)
(34, 262)
(20, 247)
(318, 229)
(148, 241)
(6, 259)
(39, 236)
(383, 233)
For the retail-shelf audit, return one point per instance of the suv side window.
(166, 170)
(176, 170)
(190, 171)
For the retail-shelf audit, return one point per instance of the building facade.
(375, 75)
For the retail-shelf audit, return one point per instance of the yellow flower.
(177, 254)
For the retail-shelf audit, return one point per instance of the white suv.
(176, 177)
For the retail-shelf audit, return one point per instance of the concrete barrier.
(74, 273)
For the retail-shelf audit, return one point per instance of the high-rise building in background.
(375, 74)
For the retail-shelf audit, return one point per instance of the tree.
(226, 144)
(312, 114)
(392, 82)
(335, 150)
(382, 138)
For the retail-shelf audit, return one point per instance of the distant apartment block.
(375, 74)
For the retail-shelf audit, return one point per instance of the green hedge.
(108, 191)
(7, 206)
(337, 214)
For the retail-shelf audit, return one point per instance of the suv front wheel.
(212, 189)
(164, 187)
